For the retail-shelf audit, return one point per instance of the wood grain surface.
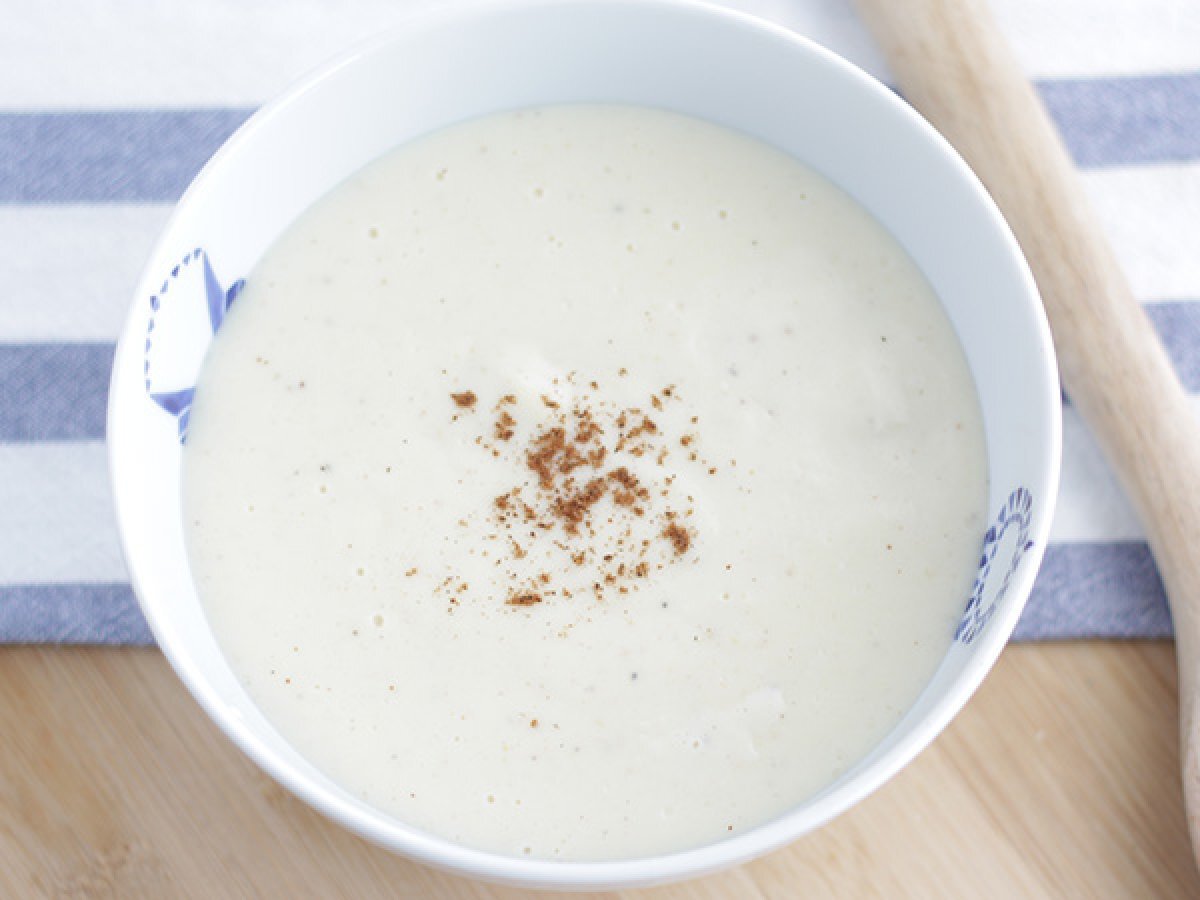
(1060, 779)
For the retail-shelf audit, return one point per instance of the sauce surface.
(585, 482)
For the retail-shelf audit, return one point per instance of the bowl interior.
(700, 61)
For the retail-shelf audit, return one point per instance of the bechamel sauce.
(343, 523)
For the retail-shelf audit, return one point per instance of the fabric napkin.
(107, 110)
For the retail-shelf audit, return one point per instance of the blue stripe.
(1178, 324)
(150, 156)
(1083, 591)
(53, 392)
(58, 392)
(134, 156)
(72, 614)
(1096, 591)
(1128, 120)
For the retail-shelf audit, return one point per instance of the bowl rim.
(440, 852)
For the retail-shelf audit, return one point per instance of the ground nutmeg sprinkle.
(591, 491)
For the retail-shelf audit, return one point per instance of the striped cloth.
(107, 109)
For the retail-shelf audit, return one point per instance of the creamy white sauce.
(337, 498)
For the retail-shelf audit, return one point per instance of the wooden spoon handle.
(954, 66)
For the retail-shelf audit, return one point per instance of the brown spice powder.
(505, 426)
(572, 435)
(573, 507)
(527, 598)
(680, 538)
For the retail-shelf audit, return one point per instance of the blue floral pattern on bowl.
(191, 280)
(1017, 513)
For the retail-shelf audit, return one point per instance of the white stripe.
(67, 54)
(56, 518)
(1091, 504)
(73, 277)
(74, 274)
(56, 522)
(1051, 38)
(61, 54)
(1102, 37)
(1151, 215)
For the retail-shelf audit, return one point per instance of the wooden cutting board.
(1059, 779)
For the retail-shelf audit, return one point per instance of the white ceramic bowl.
(465, 62)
